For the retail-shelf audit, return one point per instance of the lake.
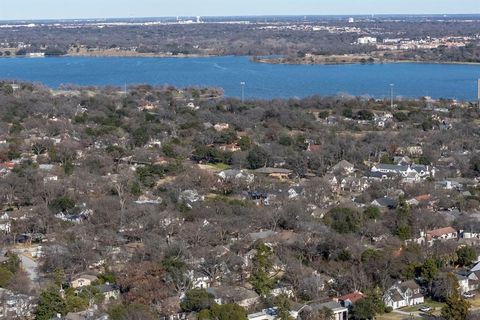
(261, 80)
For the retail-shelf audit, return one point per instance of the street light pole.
(391, 95)
(242, 84)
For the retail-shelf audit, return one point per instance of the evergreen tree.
(50, 304)
(456, 307)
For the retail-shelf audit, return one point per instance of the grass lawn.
(435, 305)
(475, 302)
(215, 167)
(391, 316)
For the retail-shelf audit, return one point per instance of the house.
(339, 312)
(233, 147)
(277, 173)
(235, 174)
(442, 234)
(83, 281)
(447, 233)
(83, 215)
(190, 197)
(419, 200)
(233, 294)
(385, 202)
(295, 192)
(343, 167)
(402, 160)
(410, 173)
(109, 291)
(313, 147)
(463, 283)
(282, 289)
(403, 294)
(219, 127)
(354, 184)
(149, 199)
(473, 281)
(349, 300)
(272, 313)
(5, 224)
(199, 280)
(413, 151)
(192, 106)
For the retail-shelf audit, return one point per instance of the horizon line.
(246, 16)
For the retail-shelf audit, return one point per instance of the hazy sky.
(66, 9)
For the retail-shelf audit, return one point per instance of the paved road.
(414, 314)
(30, 267)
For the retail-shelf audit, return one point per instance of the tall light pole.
(242, 84)
(478, 93)
(391, 94)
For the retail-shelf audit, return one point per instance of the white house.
(367, 40)
(409, 173)
(403, 294)
(442, 234)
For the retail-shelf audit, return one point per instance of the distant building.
(367, 40)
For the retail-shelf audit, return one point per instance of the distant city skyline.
(81, 9)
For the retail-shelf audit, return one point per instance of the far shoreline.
(253, 59)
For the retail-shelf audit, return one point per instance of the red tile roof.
(353, 297)
(441, 232)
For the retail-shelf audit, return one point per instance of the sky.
(71, 9)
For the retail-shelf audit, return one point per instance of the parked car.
(425, 309)
(468, 295)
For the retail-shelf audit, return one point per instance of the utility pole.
(478, 94)
(242, 84)
(391, 94)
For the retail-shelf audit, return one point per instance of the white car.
(425, 309)
(468, 295)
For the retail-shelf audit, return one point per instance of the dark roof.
(410, 284)
(104, 288)
(386, 202)
(233, 294)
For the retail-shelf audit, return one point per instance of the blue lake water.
(262, 80)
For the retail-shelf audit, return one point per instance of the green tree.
(13, 263)
(372, 212)
(245, 143)
(466, 256)
(257, 158)
(131, 311)
(5, 276)
(344, 220)
(365, 115)
(75, 303)
(260, 279)
(283, 307)
(223, 312)
(456, 307)
(168, 150)
(403, 220)
(50, 304)
(197, 300)
(386, 159)
(63, 204)
(363, 310)
(429, 270)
